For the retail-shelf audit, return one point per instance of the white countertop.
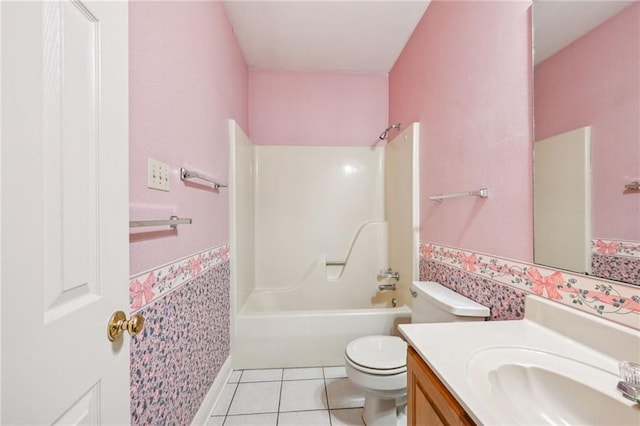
(448, 349)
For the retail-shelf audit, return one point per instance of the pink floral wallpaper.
(307, 101)
(187, 77)
(469, 89)
(186, 337)
(501, 284)
(616, 260)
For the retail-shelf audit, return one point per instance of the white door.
(64, 211)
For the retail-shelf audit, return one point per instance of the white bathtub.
(279, 339)
(309, 237)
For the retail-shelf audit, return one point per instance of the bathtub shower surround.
(502, 285)
(314, 206)
(310, 236)
(320, 240)
(186, 337)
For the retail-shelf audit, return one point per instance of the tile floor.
(321, 396)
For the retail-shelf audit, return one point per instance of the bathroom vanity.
(556, 366)
(428, 400)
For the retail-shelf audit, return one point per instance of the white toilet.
(377, 365)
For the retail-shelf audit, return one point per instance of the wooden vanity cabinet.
(428, 400)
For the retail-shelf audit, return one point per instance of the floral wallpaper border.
(504, 302)
(618, 303)
(153, 284)
(615, 247)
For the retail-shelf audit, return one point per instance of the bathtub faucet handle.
(388, 274)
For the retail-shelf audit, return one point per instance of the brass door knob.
(119, 323)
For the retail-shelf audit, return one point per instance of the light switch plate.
(157, 175)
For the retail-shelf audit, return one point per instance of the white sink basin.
(536, 387)
(556, 366)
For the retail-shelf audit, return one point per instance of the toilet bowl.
(377, 365)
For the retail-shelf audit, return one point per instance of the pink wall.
(595, 81)
(187, 77)
(306, 108)
(465, 75)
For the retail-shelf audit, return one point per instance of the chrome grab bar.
(173, 222)
(482, 193)
(191, 174)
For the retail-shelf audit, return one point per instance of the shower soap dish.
(630, 384)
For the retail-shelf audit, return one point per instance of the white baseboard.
(204, 412)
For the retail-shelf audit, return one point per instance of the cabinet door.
(429, 402)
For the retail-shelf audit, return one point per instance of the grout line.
(303, 411)
(302, 380)
(232, 398)
(240, 376)
(326, 396)
(280, 397)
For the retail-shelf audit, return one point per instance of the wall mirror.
(587, 89)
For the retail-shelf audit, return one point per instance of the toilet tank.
(435, 303)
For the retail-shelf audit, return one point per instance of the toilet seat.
(378, 355)
(374, 372)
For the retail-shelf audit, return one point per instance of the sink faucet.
(629, 391)
(630, 383)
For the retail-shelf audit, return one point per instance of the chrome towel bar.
(173, 222)
(191, 174)
(482, 193)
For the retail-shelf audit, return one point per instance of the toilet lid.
(378, 352)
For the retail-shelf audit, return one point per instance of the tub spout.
(384, 287)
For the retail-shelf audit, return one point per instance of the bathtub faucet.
(388, 273)
(384, 287)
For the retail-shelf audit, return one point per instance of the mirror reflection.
(587, 137)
